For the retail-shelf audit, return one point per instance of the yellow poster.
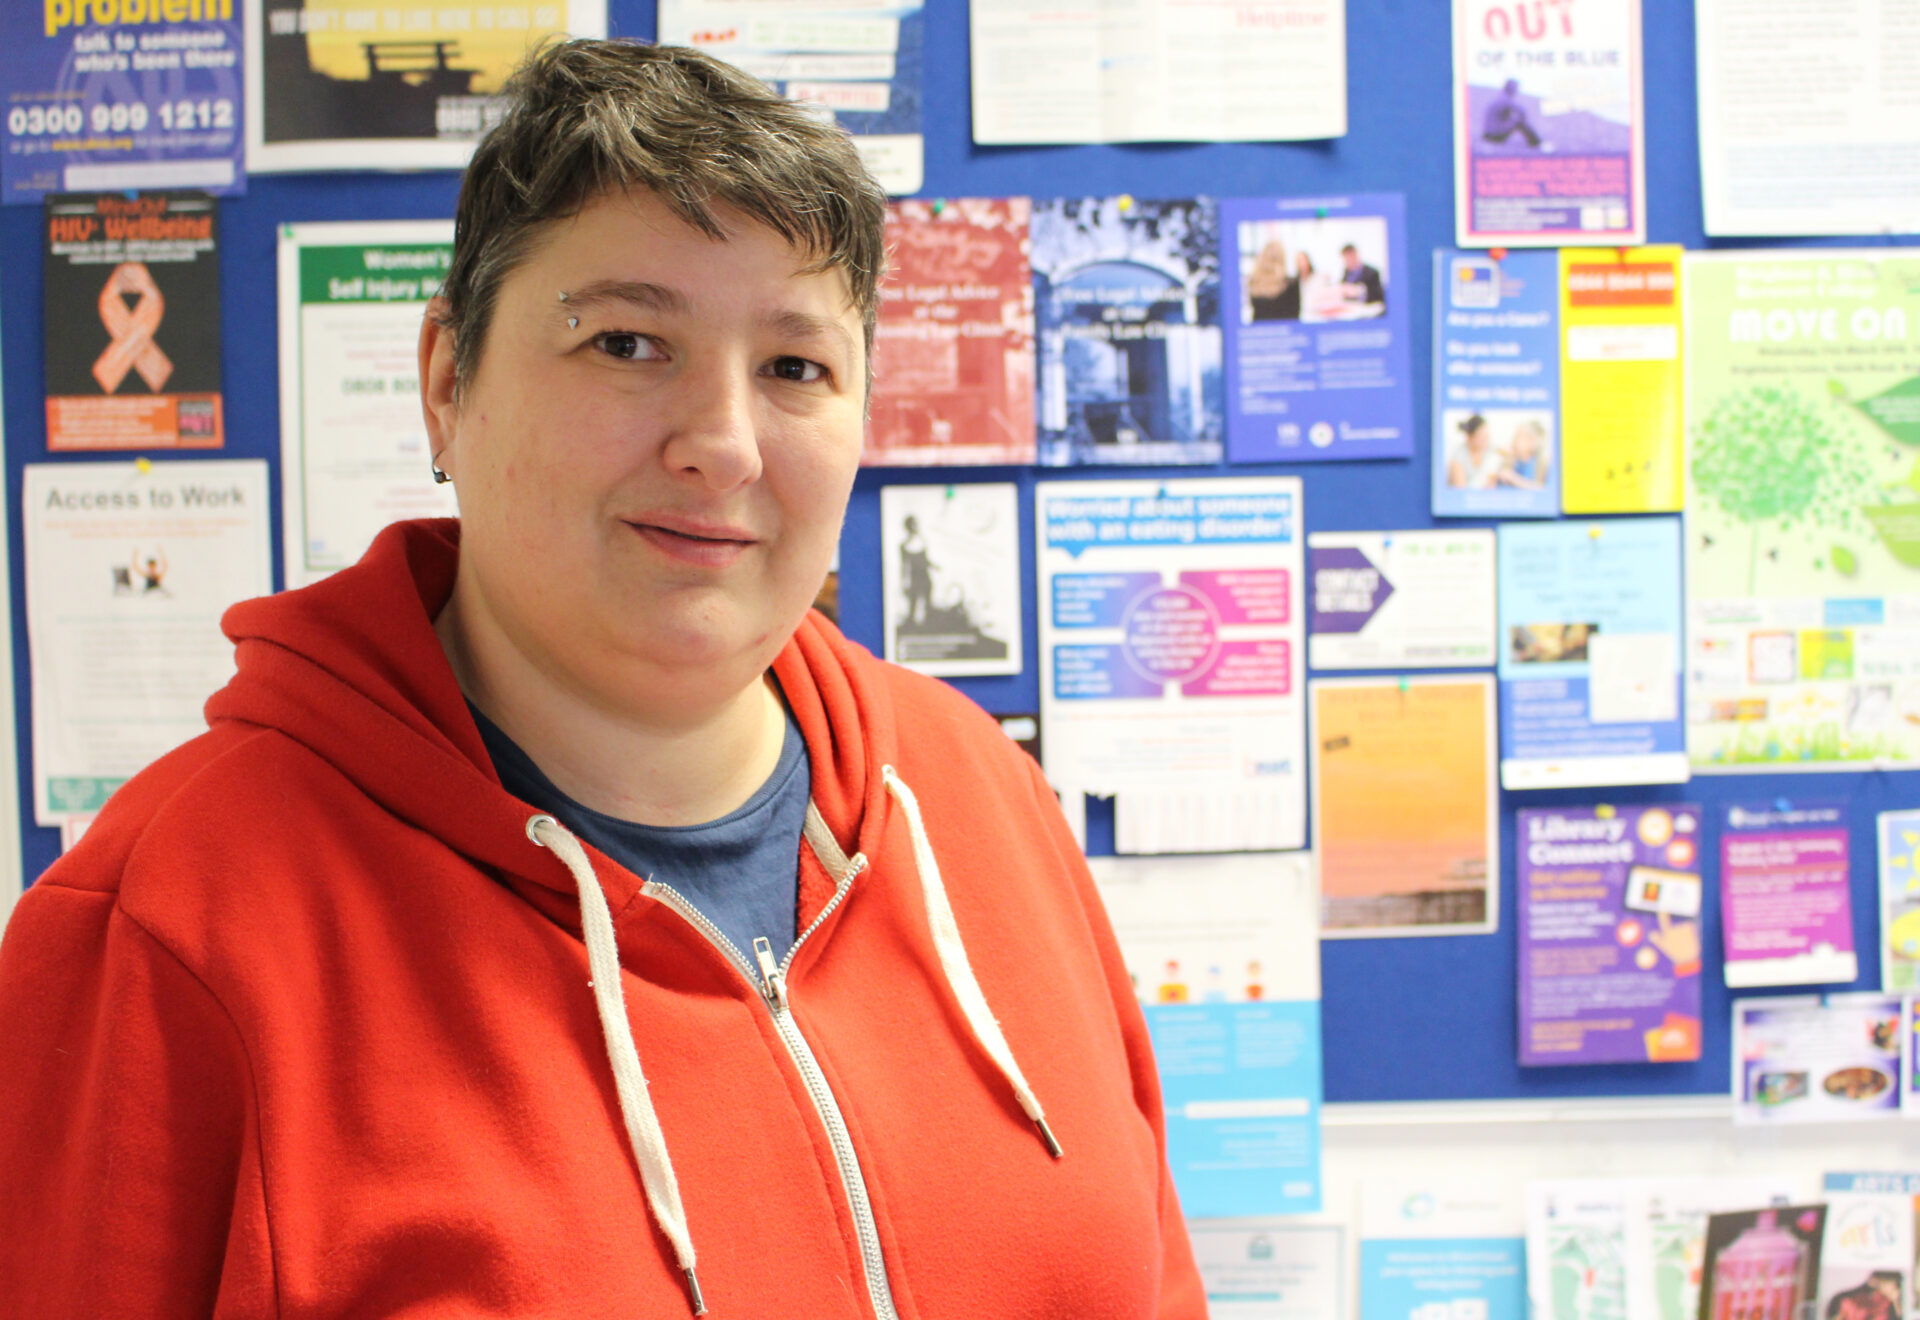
(1406, 813)
(1620, 380)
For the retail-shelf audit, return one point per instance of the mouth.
(695, 543)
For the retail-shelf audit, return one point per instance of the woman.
(1475, 464)
(1272, 293)
(557, 919)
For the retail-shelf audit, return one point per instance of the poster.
(353, 447)
(1762, 1262)
(1224, 956)
(374, 85)
(140, 96)
(1786, 908)
(860, 63)
(1548, 125)
(1269, 1269)
(1816, 1059)
(953, 352)
(1433, 1250)
(1610, 918)
(1803, 510)
(128, 570)
(1667, 1237)
(1806, 116)
(1127, 298)
(1401, 600)
(1577, 1248)
(1315, 292)
(1160, 71)
(1590, 654)
(1496, 384)
(1866, 1255)
(1405, 814)
(132, 330)
(1900, 901)
(1620, 365)
(950, 575)
(1171, 639)
(12, 872)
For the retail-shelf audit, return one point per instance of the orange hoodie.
(304, 1026)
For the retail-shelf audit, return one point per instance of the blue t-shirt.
(742, 871)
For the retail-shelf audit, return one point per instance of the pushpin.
(1404, 684)
(939, 205)
(1498, 254)
(1593, 532)
(1126, 201)
(1780, 804)
(1603, 811)
(951, 492)
(143, 465)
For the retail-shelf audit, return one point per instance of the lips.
(693, 542)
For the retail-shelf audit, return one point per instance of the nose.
(712, 436)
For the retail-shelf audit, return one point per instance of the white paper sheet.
(129, 567)
(1401, 600)
(950, 575)
(1269, 1269)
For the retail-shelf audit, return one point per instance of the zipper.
(770, 979)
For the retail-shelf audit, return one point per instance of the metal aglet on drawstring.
(693, 1293)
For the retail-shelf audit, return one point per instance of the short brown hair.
(586, 117)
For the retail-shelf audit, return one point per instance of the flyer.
(1610, 911)
(1803, 510)
(374, 85)
(1667, 1236)
(128, 570)
(1436, 1249)
(953, 352)
(1590, 654)
(858, 62)
(1405, 814)
(1159, 71)
(132, 330)
(1224, 955)
(1866, 1256)
(1496, 384)
(1806, 118)
(1171, 639)
(1269, 1269)
(1548, 124)
(1577, 1248)
(1816, 1059)
(1900, 901)
(950, 575)
(1910, 1088)
(1620, 380)
(353, 447)
(1316, 292)
(1127, 299)
(1401, 600)
(1762, 1262)
(119, 97)
(1786, 907)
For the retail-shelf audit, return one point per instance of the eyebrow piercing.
(573, 323)
(563, 295)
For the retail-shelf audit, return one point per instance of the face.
(1478, 437)
(654, 454)
(1352, 259)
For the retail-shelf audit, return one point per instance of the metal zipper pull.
(773, 982)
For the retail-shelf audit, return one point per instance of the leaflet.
(1785, 899)
(98, 100)
(1590, 654)
(1610, 918)
(859, 63)
(1900, 901)
(1620, 380)
(1817, 1059)
(353, 448)
(1667, 1236)
(1405, 813)
(1803, 510)
(1496, 384)
(1269, 1269)
(1435, 1249)
(1867, 1258)
(373, 85)
(1910, 1087)
(1316, 297)
(132, 329)
(1224, 956)
(1160, 71)
(1171, 638)
(1401, 600)
(1127, 299)
(1577, 1248)
(128, 570)
(1548, 123)
(1763, 1262)
(950, 575)
(1807, 117)
(953, 351)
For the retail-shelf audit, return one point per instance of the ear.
(437, 403)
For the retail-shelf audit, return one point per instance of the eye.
(626, 345)
(801, 370)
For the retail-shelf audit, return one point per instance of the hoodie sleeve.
(1182, 1295)
(127, 1157)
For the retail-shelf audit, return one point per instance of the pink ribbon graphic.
(132, 329)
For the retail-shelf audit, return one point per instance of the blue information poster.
(1314, 299)
(1590, 654)
(1439, 1249)
(1496, 385)
(149, 98)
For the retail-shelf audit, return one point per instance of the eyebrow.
(653, 297)
(806, 325)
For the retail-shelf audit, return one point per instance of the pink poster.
(1784, 896)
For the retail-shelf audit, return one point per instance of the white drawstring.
(636, 1107)
(953, 960)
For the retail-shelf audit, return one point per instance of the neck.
(669, 762)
